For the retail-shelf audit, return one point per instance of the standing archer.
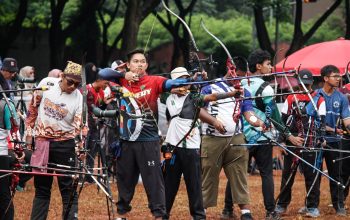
(299, 115)
(337, 115)
(265, 109)
(222, 150)
(8, 69)
(55, 121)
(183, 140)
(140, 148)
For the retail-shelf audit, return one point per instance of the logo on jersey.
(142, 93)
(336, 104)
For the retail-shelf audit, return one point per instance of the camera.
(104, 113)
(21, 79)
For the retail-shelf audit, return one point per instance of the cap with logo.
(9, 64)
(306, 77)
(178, 72)
(118, 63)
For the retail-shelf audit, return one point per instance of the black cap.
(9, 64)
(306, 77)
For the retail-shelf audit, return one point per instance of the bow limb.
(218, 40)
(185, 25)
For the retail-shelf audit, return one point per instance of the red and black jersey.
(143, 101)
(291, 115)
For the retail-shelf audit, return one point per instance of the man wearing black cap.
(8, 69)
(299, 116)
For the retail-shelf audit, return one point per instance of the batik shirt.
(54, 114)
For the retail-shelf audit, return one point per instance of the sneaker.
(272, 216)
(280, 210)
(341, 212)
(19, 189)
(227, 214)
(247, 216)
(302, 210)
(312, 212)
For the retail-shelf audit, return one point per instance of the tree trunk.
(56, 42)
(132, 21)
(299, 39)
(262, 34)
(347, 19)
(9, 33)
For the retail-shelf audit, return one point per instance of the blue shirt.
(337, 107)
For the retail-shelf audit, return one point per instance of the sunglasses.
(71, 82)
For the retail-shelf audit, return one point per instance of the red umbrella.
(315, 56)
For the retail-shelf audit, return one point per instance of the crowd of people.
(216, 125)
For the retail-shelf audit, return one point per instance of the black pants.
(93, 142)
(346, 167)
(263, 158)
(335, 171)
(186, 162)
(312, 179)
(140, 157)
(5, 194)
(61, 152)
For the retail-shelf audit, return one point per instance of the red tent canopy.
(315, 56)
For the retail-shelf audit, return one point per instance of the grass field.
(92, 204)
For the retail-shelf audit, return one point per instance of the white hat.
(178, 72)
(117, 63)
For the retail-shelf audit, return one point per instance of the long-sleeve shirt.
(54, 114)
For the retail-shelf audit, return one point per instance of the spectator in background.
(119, 65)
(91, 73)
(55, 73)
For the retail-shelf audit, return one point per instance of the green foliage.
(158, 36)
(38, 14)
(331, 29)
(8, 11)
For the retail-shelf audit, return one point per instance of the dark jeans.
(61, 152)
(5, 194)
(186, 162)
(312, 179)
(140, 157)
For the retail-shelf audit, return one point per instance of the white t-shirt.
(222, 110)
(179, 127)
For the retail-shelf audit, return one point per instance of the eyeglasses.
(71, 82)
(336, 76)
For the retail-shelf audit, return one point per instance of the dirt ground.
(92, 204)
